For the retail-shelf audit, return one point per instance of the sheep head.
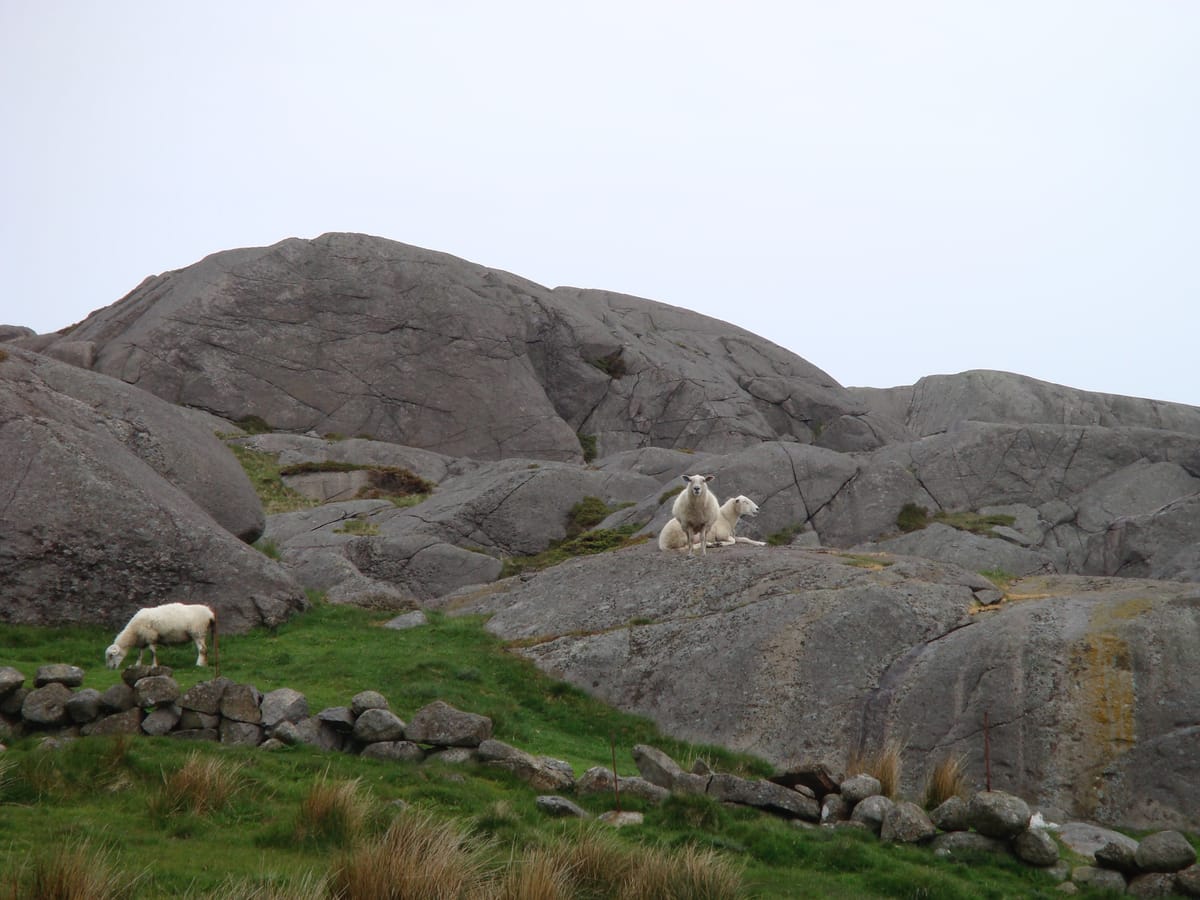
(745, 506)
(697, 483)
(113, 655)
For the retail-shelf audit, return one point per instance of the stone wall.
(149, 701)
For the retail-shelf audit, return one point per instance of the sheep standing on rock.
(171, 623)
(696, 510)
(673, 538)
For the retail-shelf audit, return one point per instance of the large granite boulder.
(360, 335)
(794, 654)
(114, 500)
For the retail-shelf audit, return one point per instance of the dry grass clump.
(332, 813)
(72, 872)
(689, 874)
(948, 778)
(417, 858)
(304, 887)
(884, 763)
(540, 874)
(203, 784)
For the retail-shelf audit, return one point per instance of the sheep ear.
(686, 478)
(709, 477)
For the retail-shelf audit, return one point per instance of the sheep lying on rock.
(171, 623)
(721, 535)
(696, 512)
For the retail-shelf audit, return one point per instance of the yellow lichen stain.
(1108, 690)
(1122, 612)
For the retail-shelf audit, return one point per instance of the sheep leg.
(687, 530)
(201, 649)
(703, 541)
(141, 650)
(153, 654)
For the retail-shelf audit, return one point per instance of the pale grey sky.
(889, 189)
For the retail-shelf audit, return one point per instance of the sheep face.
(745, 506)
(113, 656)
(696, 483)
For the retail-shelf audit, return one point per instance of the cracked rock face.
(363, 336)
(797, 655)
(111, 500)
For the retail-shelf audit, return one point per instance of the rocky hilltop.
(974, 543)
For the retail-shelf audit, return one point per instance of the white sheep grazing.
(673, 538)
(171, 623)
(696, 510)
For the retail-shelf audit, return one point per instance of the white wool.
(696, 511)
(171, 623)
(721, 535)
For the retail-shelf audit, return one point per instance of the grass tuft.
(688, 874)
(947, 778)
(587, 443)
(203, 784)
(418, 858)
(912, 518)
(884, 763)
(263, 471)
(75, 871)
(332, 813)
(785, 535)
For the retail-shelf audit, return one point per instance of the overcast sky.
(889, 189)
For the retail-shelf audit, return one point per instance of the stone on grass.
(859, 787)
(441, 724)
(1036, 847)
(871, 811)
(1164, 851)
(378, 724)
(998, 814)
(560, 807)
(906, 823)
(71, 676)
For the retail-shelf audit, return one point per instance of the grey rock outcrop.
(1056, 669)
(410, 345)
(156, 504)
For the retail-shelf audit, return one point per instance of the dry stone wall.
(149, 701)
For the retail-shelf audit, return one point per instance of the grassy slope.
(105, 789)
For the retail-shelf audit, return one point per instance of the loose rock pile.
(150, 701)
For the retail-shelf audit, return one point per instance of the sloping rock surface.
(359, 335)
(937, 403)
(111, 499)
(799, 655)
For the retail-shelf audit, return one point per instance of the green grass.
(587, 443)
(786, 535)
(286, 818)
(263, 471)
(357, 526)
(585, 544)
(913, 518)
(667, 495)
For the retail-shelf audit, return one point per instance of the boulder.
(84, 706)
(241, 703)
(1099, 879)
(763, 794)
(441, 724)
(859, 787)
(162, 720)
(951, 815)
(155, 690)
(10, 680)
(560, 807)
(364, 700)
(872, 811)
(656, 766)
(240, 734)
(1188, 881)
(906, 823)
(1036, 847)
(1152, 884)
(157, 507)
(70, 676)
(396, 751)
(1119, 855)
(283, 705)
(1164, 851)
(998, 814)
(128, 721)
(953, 843)
(205, 696)
(47, 705)
(379, 725)
(599, 780)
